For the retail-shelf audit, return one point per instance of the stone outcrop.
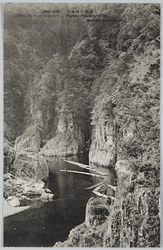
(132, 220)
(29, 141)
(18, 187)
(18, 190)
(67, 141)
(24, 170)
(13, 201)
(31, 166)
(110, 76)
(103, 150)
(91, 232)
(97, 212)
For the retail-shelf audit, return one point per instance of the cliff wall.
(125, 134)
(98, 84)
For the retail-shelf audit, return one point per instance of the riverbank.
(45, 223)
(18, 191)
(132, 219)
(10, 210)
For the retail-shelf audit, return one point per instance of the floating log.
(112, 187)
(96, 191)
(103, 195)
(84, 166)
(78, 172)
(96, 185)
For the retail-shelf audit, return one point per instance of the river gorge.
(45, 223)
(81, 125)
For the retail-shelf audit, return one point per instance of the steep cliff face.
(103, 88)
(30, 140)
(68, 140)
(103, 150)
(28, 163)
(131, 220)
(134, 220)
(125, 134)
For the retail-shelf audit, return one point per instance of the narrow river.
(48, 222)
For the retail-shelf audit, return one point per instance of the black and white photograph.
(81, 125)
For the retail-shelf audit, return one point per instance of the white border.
(1, 105)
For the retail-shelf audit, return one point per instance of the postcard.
(81, 125)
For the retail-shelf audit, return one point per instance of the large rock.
(96, 212)
(92, 232)
(29, 141)
(68, 140)
(103, 149)
(11, 186)
(31, 165)
(47, 196)
(23, 189)
(13, 201)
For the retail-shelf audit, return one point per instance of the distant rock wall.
(28, 163)
(29, 141)
(68, 140)
(103, 148)
(125, 135)
(25, 167)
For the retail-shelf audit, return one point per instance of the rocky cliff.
(131, 220)
(67, 141)
(90, 84)
(125, 135)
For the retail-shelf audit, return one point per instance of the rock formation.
(96, 87)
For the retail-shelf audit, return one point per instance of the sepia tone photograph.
(81, 147)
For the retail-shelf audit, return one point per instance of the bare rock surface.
(31, 165)
(29, 141)
(67, 141)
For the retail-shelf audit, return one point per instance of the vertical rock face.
(30, 140)
(111, 77)
(28, 165)
(23, 160)
(103, 150)
(125, 134)
(134, 220)
(67, 141)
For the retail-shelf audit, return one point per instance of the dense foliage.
(103, 78)
(91, 70)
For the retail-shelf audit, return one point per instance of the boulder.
(96, 212)
(47, 196)
(33, 190)
(13, 201)
(22, 188)
(29, 141)
(47, 190)
(29, 165)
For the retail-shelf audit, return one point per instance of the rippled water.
(48, 222)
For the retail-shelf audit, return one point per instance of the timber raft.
(96, 188)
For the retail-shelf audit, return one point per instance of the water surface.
(48, 222)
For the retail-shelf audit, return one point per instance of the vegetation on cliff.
(92, 82)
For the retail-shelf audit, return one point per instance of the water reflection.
(48, 222)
